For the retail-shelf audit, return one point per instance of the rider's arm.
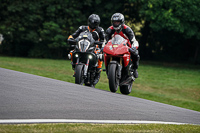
(101, 36)
(76, 34)
(109, 33)
(131, 36)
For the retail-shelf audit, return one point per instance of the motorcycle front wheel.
(113, 79)
(79, 75)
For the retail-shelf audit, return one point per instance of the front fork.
(119, 67)
(85, 70)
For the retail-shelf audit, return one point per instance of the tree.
(170, 27)
(27, 24)
(40, 28)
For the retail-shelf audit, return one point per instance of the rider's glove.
(71, 41)
(133, 50)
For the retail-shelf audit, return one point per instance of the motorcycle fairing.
(117, 47)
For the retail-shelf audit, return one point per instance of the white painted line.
(29, 121)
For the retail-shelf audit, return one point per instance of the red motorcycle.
(117, 60)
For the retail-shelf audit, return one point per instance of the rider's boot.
(98, 72)
(135, 73)
(97, 76)
(135, 62)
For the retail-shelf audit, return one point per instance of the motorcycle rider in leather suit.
(118, 27)
(98, 35)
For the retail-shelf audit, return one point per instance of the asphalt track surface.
(29, 97)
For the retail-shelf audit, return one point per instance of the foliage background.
(166, 30)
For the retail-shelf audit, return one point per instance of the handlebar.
(71, 41)
(98, 43)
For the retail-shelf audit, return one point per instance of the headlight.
(76, 55)
(90, 56)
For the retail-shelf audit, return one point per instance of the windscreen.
(117, 39)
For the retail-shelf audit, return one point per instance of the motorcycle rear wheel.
(113, 79)
(79, 75)
(126, 89)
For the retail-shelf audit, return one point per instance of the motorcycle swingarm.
(127, 81)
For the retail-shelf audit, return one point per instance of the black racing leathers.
(98, 33)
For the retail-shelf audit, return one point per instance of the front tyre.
(79, 75)
(126, 89)
(113, 78)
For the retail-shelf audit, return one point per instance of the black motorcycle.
(84, 59)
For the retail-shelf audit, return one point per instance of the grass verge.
(99, 128)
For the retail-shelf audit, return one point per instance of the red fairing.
(106, 59)
(126, 59)
(117, 50)
(124, 36)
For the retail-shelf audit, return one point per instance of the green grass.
(173, 84)
(99, 128)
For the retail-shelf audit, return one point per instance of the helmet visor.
(116, 23)
(93, 24)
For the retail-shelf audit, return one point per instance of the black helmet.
(93, 21)
(117, 17)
